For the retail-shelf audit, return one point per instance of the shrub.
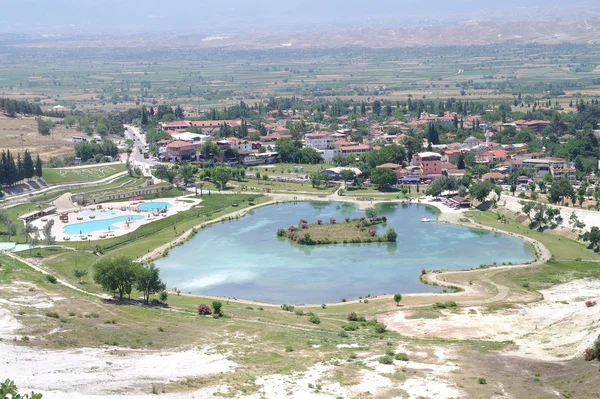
(249, 308)
(380, 328)
(51, 278)
(481, 381)
(155, 302)
(589, 354)
(323, 306)
(216, 307)
(384, 218)
(347, 220)
(319, 221)
(343, 334)
(292, 228)
(302, 221)
(204, 310)
(163, 296)
(314, 319)
(287, 308)
(350, 327)
(352, 316)
(402, 357)
(590, 304)
(390, 352)
(299, 312)
(281, 233)
(423, 271)
(332, 220)
(54, 315)
(289, 348)
(304, 225)
(343, 299)
(386, 360)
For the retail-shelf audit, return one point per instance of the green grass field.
(80, 175)
(561, 248)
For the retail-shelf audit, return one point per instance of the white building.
(320, 140)
(192, 137)
(328, 155)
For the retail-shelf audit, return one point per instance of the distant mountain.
(84, 17)
(470, 33)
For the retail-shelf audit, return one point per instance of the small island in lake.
(348, 231)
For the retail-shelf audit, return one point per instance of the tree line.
(15, 170)
(13, 107)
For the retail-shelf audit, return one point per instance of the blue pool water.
(98, 225)
(154, 206)
(244, 258)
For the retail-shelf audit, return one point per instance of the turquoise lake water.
(98, 225)
(244, 258)
(154, 206)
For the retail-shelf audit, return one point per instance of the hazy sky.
(210, 16)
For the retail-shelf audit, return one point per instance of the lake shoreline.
(445, 216)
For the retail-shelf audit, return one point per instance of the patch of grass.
(77, 175)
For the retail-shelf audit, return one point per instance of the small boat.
(79, 217)
(92, 217)
(425, 220)
(66, 238)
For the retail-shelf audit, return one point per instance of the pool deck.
(112, 210)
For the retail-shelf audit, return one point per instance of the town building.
(430, 163)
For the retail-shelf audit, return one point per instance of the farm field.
(223, 78)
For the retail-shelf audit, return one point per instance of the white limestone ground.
(559, 327)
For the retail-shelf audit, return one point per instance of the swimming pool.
(98, 213)
(154, 206)
(98, 225)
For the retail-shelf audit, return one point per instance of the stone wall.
(81, 199)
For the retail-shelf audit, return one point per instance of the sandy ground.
(560, 327)
(110, 210)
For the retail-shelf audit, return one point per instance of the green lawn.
(561, 248)
(77, 175)
(288, 168)
(372, 192)
(13, 214)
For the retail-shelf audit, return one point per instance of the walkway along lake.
(244, 259)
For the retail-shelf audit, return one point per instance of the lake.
(244, 259)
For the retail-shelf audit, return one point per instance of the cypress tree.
(28, 167)
(38, 166)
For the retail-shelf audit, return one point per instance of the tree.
(44, 126)
(346, 175)
(187, 174)
(116, 275)
(391, 235)
(28, 167)
(11, 229)
(164, 172)
(460, 162)
(377, 107)
(33, 242)
(480, 190)
(397, 299)
(8, 389)
(432, 134)
(315, 179)
(38, 166)
(383, 177)
(29, 231)
(49, 239)
(217, 308)
(593, 236)
(513, 188)
(210, 150)
(559, 190)
(3, 216)
(79, 274)
(221, 175)
(148, 281)
(370, 212)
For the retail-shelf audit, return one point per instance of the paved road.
(137, 159)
